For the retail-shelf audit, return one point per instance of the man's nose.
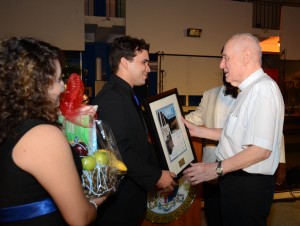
(222, 64)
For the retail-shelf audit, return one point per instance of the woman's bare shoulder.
(40, 141)
(46, 131)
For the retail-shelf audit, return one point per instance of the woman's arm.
(45, 153)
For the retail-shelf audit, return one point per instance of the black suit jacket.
(117, 107)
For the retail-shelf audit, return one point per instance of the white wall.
(60, 22)
(163, 23)
(290, 32)
(191, 75)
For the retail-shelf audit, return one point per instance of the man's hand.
(193, 129)
(202, 131)
(166, 181)
(280, 174)
(199, 172)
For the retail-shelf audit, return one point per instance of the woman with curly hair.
(40, 176)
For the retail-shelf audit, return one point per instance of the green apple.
(88, 162)
(101, 158)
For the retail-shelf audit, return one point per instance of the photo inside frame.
(171, 138)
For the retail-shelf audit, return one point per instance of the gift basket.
(103, 169)
(93, 141)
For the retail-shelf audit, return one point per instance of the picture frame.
(170, 137)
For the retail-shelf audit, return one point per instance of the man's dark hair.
(127, 47)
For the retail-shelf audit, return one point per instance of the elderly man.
(248, 150)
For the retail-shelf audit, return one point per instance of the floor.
(285, 213)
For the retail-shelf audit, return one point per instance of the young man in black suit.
(118, 106)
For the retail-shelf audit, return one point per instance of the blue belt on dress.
(27, 211)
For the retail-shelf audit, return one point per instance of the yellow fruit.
(119, 165)
(88, 162)
(114, 161)
(110, 154)
(102, 150)
(102, 158)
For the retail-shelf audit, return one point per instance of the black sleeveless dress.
(18, 187)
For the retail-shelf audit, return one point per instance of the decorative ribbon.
(137, 100)
(27, 211)
(137, 105)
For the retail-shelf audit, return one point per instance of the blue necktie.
(136, 99)
(137, 105)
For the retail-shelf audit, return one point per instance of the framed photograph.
(170, 136)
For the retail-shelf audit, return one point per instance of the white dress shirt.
(255, 119)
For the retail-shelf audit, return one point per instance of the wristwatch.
(219, 169)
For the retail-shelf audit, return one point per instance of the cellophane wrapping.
(109, 170)
(93, 141)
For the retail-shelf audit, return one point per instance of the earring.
(62, 89)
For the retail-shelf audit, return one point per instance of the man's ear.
(124, 62)
(246, 57)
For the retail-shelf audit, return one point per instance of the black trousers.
(246, 198)
(212, 205)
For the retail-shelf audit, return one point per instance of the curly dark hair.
(125, 46)
(27, 69)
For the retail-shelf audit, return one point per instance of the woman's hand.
(88, 110)
(83, 112)
(99, 200)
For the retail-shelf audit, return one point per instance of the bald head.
(241, 57)
(247, 42)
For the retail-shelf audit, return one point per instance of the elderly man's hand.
(199, 172)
